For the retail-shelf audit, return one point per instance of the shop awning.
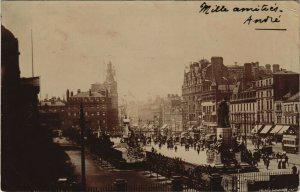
(266, 129)
(164, 126)
(256, 129)
(283, 129)
(276, 129)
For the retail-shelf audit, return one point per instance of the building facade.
(205, 84)
(96, 106)
(172, 113)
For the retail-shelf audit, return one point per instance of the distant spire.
(110, 73)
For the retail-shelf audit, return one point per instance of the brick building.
(100, 104)
(96, 106)
(53, 113)
(205, 85)
(270, 91)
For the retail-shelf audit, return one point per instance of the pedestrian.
(279, 164)
(175, 148)
(198, 150)
(267, 163)
(283, 164)
(294, 169)
(278, 156)
(287, 160)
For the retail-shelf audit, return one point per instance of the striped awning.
(283, 129)
(276, 129)
(256, 129)
(266, 129)
(164, 126)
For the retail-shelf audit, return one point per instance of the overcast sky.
(148, 42)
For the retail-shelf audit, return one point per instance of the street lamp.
(82, 128)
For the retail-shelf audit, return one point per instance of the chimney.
(217, 63)
(71, 93)
(275, 68)
(78, 91)
(68, 94)
(248, 71)
(268, 66)
(90, 92)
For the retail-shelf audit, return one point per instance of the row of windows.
(208, 109)
(261, 106)
(243, 107)
(86, 99)
(291, 108)
(89, 106)
(268, 118)
(268, 93)
(264, 82)
(291, 120)
(86, 114)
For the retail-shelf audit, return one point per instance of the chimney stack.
(71, 93)
(268, 66)
(78, 91)
(275, 68)
(68, 94)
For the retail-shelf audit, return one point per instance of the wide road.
(98, 176)
(193, 157)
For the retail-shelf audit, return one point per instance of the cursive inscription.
(272, 12)
(267, 19)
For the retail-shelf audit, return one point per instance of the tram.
(290, 141)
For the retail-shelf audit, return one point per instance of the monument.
(226, 154)
(224, 130)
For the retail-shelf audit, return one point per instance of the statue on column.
(223, 114)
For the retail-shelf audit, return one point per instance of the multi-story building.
(96, 106)
(172, 113)
(243, 109)
(205, 85)
(100, 105)
(290, 109)
(270, 90)
(111, 85)
(53, 113)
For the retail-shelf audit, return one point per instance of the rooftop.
(89, 94)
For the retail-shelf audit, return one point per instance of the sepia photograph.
(150, 96)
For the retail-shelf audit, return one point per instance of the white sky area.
(149, 43)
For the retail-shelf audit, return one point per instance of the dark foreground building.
(29, 160)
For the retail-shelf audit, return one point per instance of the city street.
(192, 157)
(97, 176)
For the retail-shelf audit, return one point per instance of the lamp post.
(82, 129)
(245, 128)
